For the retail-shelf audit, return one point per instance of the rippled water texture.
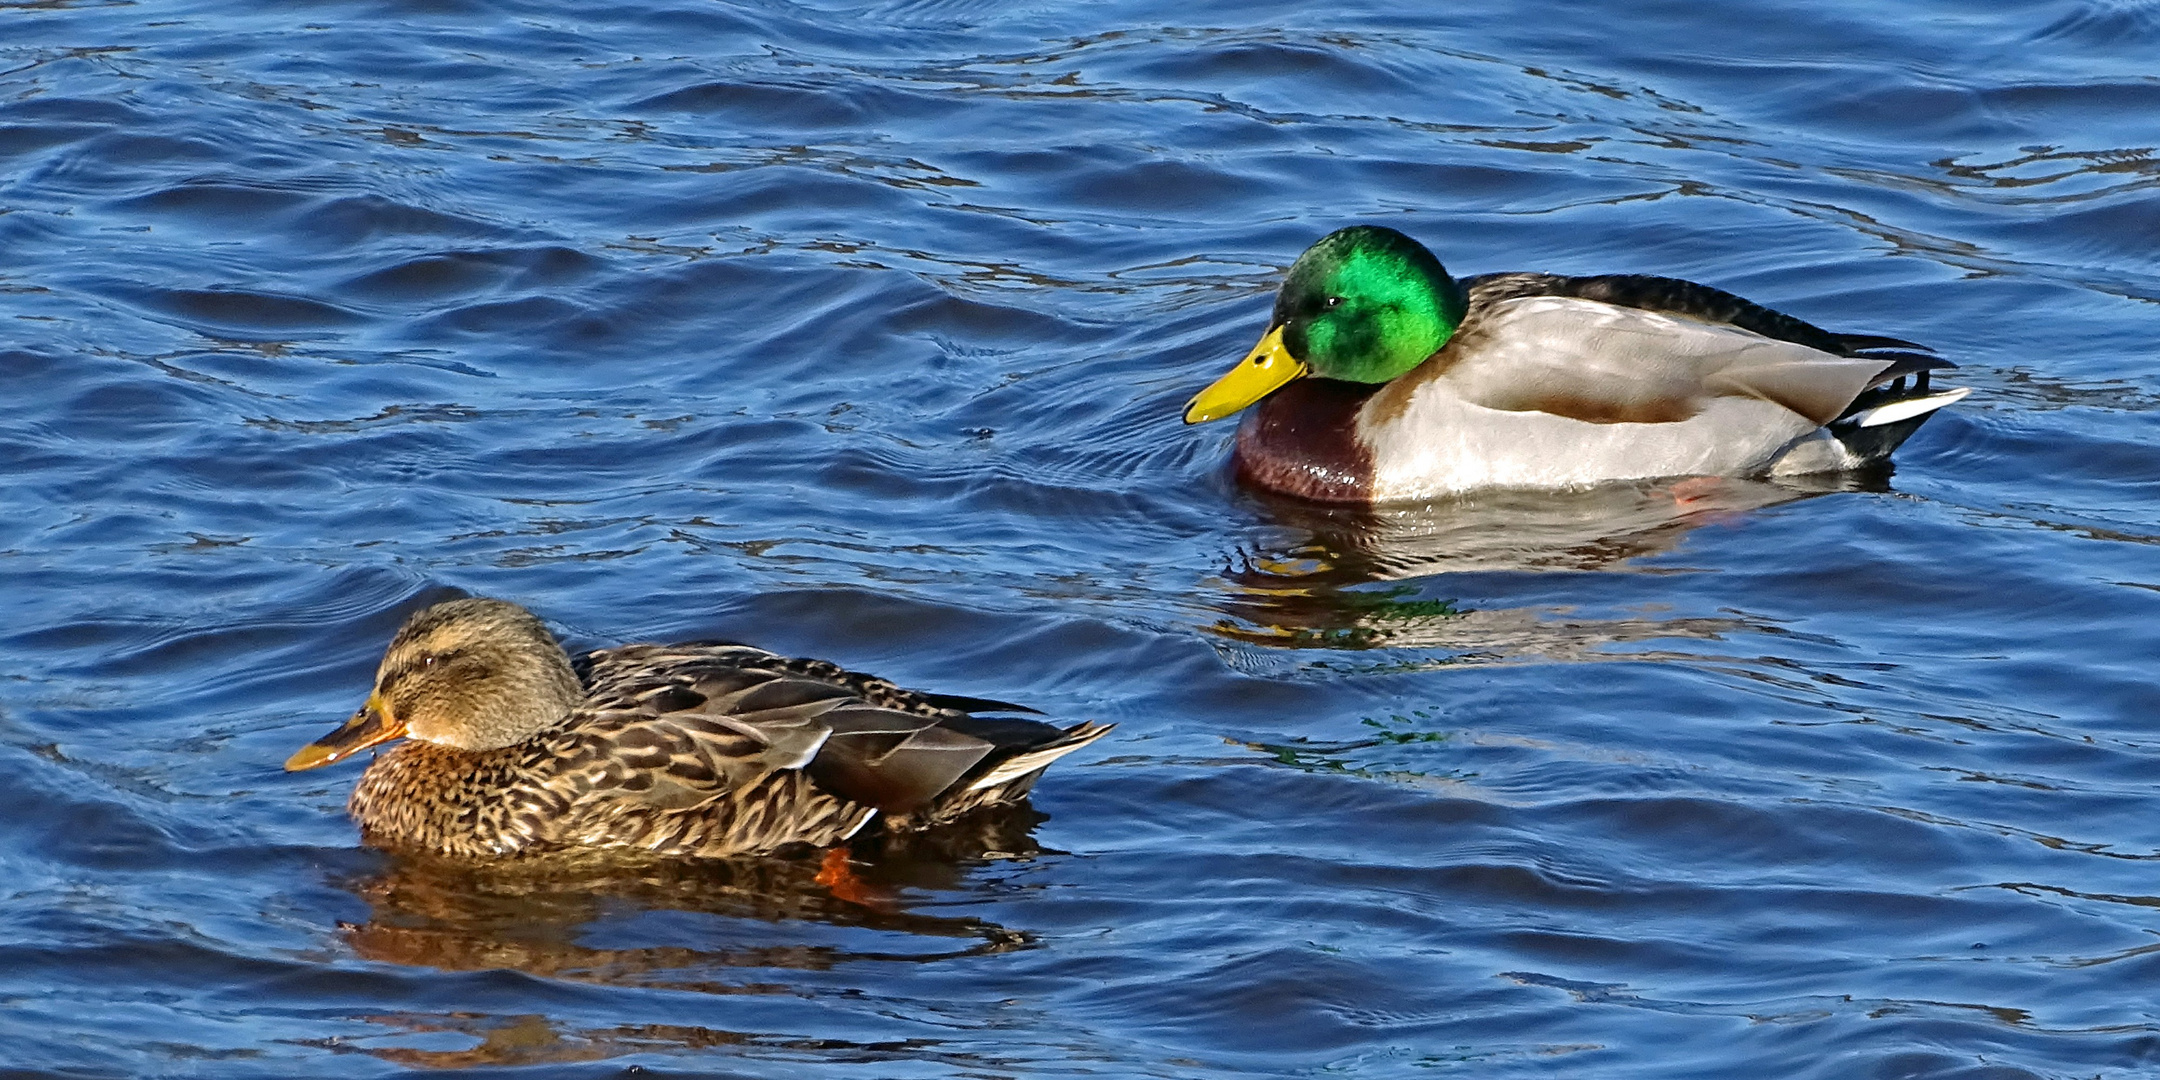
(861, 332)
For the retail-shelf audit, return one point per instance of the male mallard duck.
(702, 749)
(1423, 385)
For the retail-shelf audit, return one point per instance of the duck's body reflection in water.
(653, 817)
(1316, 588)
(709, 926)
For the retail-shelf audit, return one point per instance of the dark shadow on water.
(1327, 584)
(710, 926)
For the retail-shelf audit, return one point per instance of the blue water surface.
(861, 331)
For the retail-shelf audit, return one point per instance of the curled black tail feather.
(1854, 344)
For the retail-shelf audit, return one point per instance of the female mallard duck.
(703, 749)
(1425, 386)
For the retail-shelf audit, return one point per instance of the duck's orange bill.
(368, 727)
(1263, 371)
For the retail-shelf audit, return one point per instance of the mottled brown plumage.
(700, 749)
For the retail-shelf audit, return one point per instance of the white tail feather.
(1906, 409)
(1020, 765)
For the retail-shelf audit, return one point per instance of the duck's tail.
(1039, 758)
(1901, 399)
(1008, 773)
(1897, 401)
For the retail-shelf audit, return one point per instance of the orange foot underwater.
(837, 874)
(1695, 489)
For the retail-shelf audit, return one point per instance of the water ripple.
(862, 331)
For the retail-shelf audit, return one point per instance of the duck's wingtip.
(1087, 731)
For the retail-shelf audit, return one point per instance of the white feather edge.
(1033, 761)
(1904, 410)
(869, 814)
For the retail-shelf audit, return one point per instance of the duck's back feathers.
(1600, 363)
(1672, 296)
(1704, 303)
(715, 750)
(1557, 382)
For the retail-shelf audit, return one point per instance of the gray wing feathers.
(1817, 389)
(1586, 360)
(896, 762)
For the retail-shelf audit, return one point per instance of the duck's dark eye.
(1332, 302)
(429, 660)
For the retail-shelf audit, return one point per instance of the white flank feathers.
(1469, 428)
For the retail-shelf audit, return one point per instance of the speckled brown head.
(472, 674)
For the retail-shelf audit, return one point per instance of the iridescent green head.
(1365, 304)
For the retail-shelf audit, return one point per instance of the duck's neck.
(1303, 441)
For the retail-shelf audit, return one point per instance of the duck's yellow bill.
(1262, 372)
(368, 727)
